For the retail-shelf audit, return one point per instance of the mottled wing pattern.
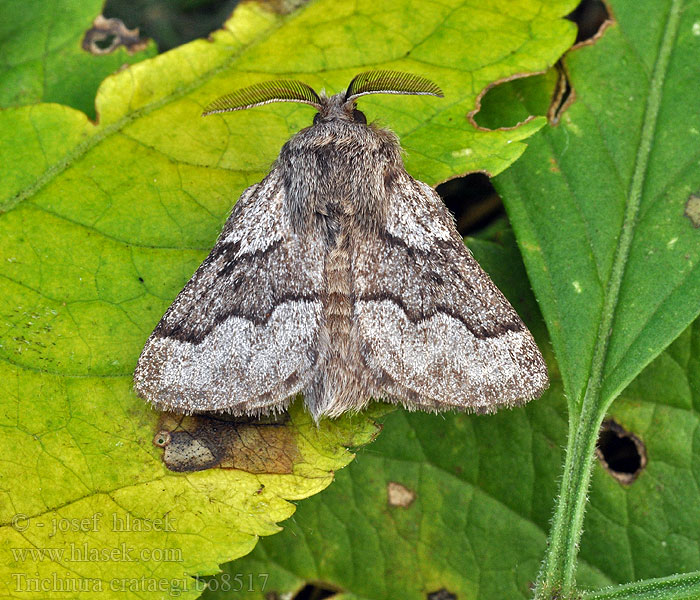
(242, 334)
(434, 330)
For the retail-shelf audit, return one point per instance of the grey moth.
(341, 277)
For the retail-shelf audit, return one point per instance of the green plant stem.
(558, 570)
(557, 575)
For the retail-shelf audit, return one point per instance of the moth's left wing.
(434, 330)
(242, 335)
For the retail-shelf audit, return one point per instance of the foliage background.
(484, 486)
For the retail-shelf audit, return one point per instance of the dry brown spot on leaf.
(106, 35)
(399, 495)
(692, 210)
(198, 442)
(620, 452)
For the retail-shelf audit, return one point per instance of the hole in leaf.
(172, 23)
(106, 42)
(106, 35)
(473, 201)
(442, 594)
(509, 103)
(316, 591)
(162, 439)
(620, 452)
(590, 16)
(562, 96)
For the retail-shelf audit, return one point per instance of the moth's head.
(340, 107)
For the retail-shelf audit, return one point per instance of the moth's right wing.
(434, 331)
(241, 336)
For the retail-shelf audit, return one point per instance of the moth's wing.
(434, 331)
(241, 336)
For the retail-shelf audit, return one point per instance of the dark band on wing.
(182, 330)
(250, 285)
(478, 330)
(232, 249)
(445, 279)
(394, 240)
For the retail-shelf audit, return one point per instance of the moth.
(342, 277)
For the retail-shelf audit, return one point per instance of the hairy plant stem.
(557, 575)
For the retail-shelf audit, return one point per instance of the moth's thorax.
(338, 168)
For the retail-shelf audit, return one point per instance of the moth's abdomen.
(338, 301)
(337, 386)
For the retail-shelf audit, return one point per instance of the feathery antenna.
(265, 92)
(391, 82)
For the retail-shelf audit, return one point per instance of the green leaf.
(598, 204)
(102, 224)
(43, 57)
